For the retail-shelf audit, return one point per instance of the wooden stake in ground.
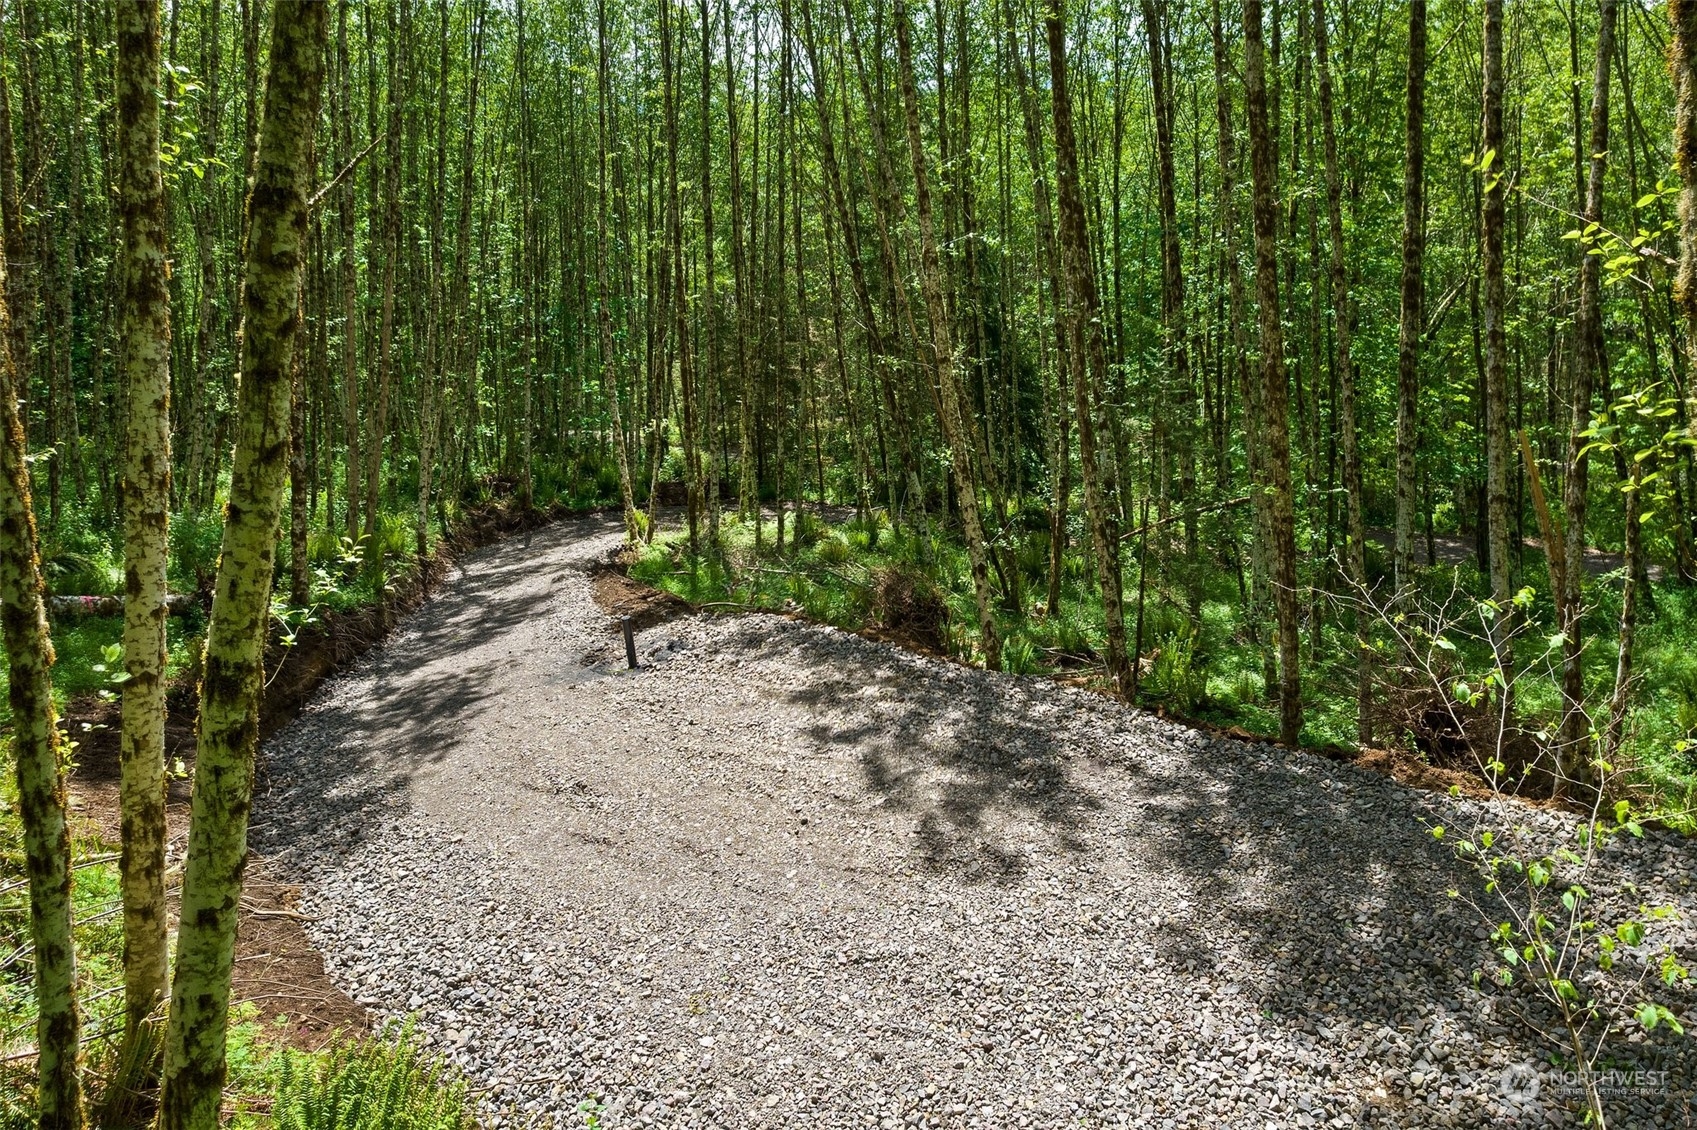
(145, 361)
(277, 214)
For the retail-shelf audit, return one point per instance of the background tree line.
(561, 249)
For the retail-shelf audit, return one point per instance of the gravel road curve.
(782, 876)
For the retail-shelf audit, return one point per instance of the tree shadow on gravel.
(481, 605)
(1315, 894)
(328, 778)
(1317, 870)
(1330, 907)
(970, 798)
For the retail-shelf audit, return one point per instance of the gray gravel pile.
(784, 876)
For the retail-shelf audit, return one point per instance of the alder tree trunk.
(1060, 454)
(1249, 389)
(41, 781)
(604, 314)
(145, 361)
(1493, 190)
(342, 127)
(1682, 61)
(1412, 324)
(277, 216)
(1275, 399)
(1085, 340)
(1175, 333)
(1355, 549)
(377, 432)
(1590, 368)
(943, 358)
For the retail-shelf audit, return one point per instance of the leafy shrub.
(607, 483)
(1247, 687)
(72, 574)
(368, 1085)
(805, 529)
(1020, 657)
(1066, 641)
(335, 549)
(863, 533)
(1033, 557)
(79, 559)
(820, 604)
(395, 534)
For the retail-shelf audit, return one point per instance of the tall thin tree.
(1275, 399)
(1493, 191)
(275, 250)
(41, 780)
(145, 360)
(1355, 549)
(1590, 366)
(943, 356)
(1412, 317)
(1084, 319)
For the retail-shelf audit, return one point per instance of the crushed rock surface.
(784, 876)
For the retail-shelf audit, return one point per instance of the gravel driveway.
(782, 876)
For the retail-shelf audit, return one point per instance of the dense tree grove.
(520, 234)
(521, 276)
(1245, 314)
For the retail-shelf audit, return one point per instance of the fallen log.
(76, 607)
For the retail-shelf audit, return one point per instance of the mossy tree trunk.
(603, 308)
(1590, 372)
(41, 781)
(1084, 331)
(1682, 61)
(1492, 222)
(145, 360)
(229, 712)
(1411, 324)
(1355, 551)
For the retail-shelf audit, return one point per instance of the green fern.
(369, 1085)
